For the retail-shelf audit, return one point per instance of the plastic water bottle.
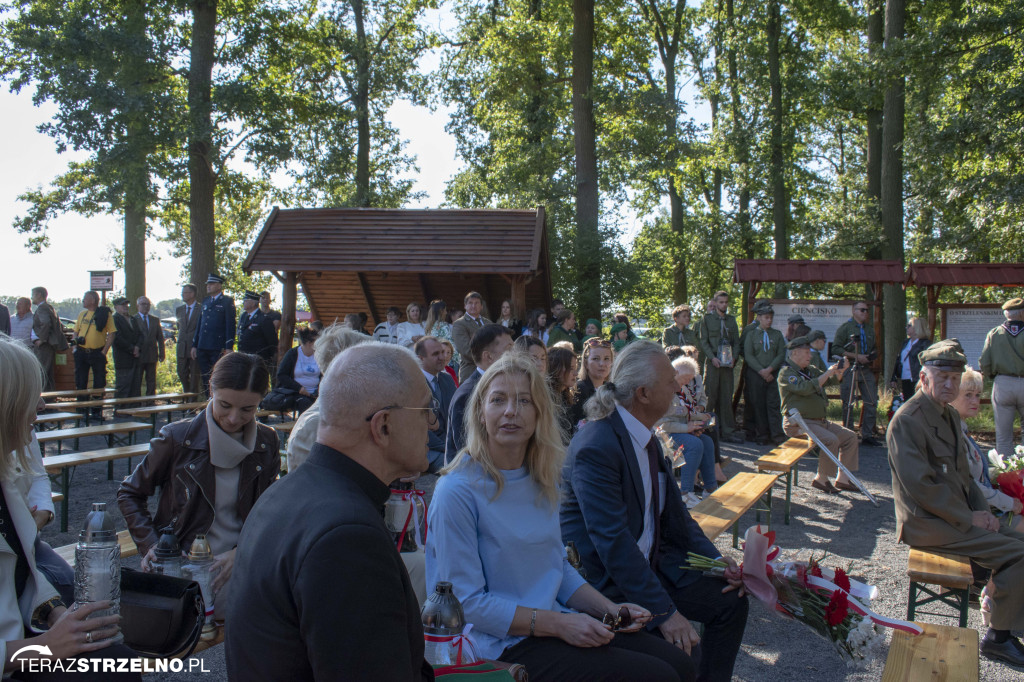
(168, 554)
(98, 564)
(443, 621)
(200, 569)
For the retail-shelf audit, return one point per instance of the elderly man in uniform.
(256, 331)
(679, 333)
(720, 343)
(802, 386)
(1002, 358)
(215, 333)
(938, 506)
(763, 354)
(855, 340)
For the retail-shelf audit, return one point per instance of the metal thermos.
(442, 618)
(98, 564)
(200, 569)
(168, 554)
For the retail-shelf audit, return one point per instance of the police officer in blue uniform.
(256, 331)
(215, 333)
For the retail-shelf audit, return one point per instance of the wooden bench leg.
(65, 489)
(736, 535)
(912, 601)
(956, 598)
(789, 491)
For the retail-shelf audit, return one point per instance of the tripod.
(853, 396)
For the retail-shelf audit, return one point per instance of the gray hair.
(686, 363)
(365, 379)
(634, 368)
(332, 341)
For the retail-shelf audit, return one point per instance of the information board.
(101, 280)
(970, 324)
(824, 315)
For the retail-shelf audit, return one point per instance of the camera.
(77, 341)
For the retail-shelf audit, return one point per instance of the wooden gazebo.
(350, 260)
(934, 276)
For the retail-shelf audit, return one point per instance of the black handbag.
(161, 616)
(280, 400)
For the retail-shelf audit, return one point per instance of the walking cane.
(798, 419)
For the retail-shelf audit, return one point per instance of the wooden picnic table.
(724, 507)
(56, 418)
(111, 431)
(154, 411)
(47, 395)
(114, 402)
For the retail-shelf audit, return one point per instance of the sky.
(78, 244)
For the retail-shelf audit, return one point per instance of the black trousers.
(95, 360)
(765, 403)
(207, 359)
(724, 617)
(635, 656)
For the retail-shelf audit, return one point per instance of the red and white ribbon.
(413, 497)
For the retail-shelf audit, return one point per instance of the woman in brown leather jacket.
(210, 469)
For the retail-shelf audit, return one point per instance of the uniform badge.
(945, 469)
(792, 379)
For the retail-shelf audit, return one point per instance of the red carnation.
(841, 579)
(816, 570)
(1010, 483)
(837, 609)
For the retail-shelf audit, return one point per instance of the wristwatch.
(41, 616)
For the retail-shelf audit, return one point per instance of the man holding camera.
(94, 334)
(802, 386)
(855, 340)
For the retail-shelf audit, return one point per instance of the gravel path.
(847, 526)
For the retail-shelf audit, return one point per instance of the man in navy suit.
(215, 333)
(623, 509)
(489, 343)
(432, 360)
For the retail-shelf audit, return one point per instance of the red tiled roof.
(966, 274)
(813, 271)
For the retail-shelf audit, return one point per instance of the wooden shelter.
(350, 260)
(934, 276)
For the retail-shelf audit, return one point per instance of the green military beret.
(618, 327)
(945, 354)
(1014, 304)
(816, 335)
(592, 321)
(799, 342)
(763, 307)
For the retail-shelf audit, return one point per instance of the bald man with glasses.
(855, 339)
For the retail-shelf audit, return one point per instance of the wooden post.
(517, 284)
(289, 299)
(932, 292)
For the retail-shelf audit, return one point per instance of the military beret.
(763, 308)
(251, 296)
(816, 335)
(120, 300)
(592, 321)
(799, 342)
(944, 354)
(795, 319)
(1014, 304)
(214, 278)
(618, 327)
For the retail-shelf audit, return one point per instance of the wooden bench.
(940, 654)
(153, 412)
(114, 402)
(724, 507)
(63, 464)
(949, 571)
(783, 460)
(56, 418)
(124, 539)
(85, 392)
(111, 431)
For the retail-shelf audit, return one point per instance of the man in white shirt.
(21, 322)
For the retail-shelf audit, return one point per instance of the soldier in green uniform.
(1002, 358)
(803, 386)
(720, 342)
(763, 353)
(749, 424)
(940, 508)
(679, 333)
(855, 340)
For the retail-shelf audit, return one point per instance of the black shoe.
(871, 441)
(763, 441)
(734, 438)
(1011, 651)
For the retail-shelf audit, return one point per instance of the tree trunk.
(895, 298)
(202, 179)
(588, 241)
(680, 292)
(134, 252)
(362, 107)
(743, 225)
(876, 34)
(135, 173)
(780, 199)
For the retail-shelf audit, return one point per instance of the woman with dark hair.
(537, 325)
(535, 348)
(561, 376)
(594, 371)
(210, 469)
(505, 319)
(565, 324)
(298, 375)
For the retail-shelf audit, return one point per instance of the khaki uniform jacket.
(931, 479)
(757, 356)
(751, 326)
(674, 336)
(709, 331)
(851, 329)
(800, 389)
(1003, 354)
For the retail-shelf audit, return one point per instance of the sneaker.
(690, 500)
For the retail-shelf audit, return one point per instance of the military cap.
(120, 300)
(618, 327)
(214, 278)
(945, 354)
(795, 319)
(592, 321)
(252, 296)
(1014, 304)
(763, 308)
(799, 342)
(816, 335)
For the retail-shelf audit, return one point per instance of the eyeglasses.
(860, 310)
(595, 342)
(432, 415)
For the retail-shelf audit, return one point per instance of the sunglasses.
(599, 343)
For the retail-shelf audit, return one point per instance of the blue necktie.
(863, 340)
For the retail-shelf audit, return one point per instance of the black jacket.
(286, 370)
(915, 364)
(126, 340)
(321, 592)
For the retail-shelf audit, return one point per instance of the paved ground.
(847, 526)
